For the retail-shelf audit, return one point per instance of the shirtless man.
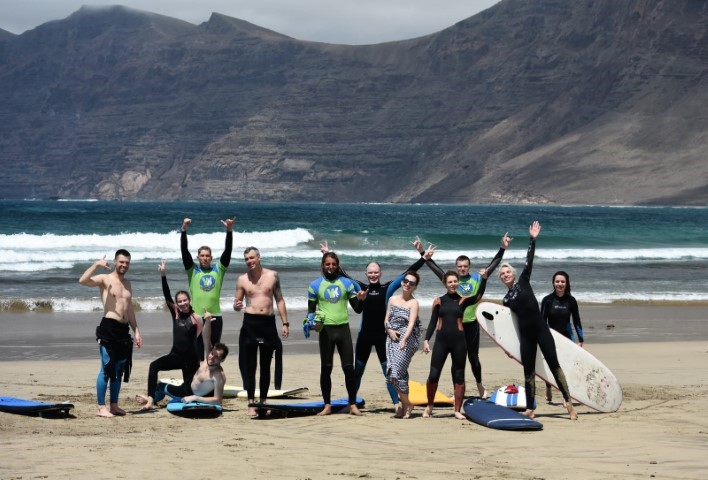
(259, 286)
(116, 345)
(207, 384)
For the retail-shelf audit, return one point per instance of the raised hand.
(229, 224)
(506, 241)
(324, 247)
(186, 223)
(534, 229)
(418, 244)
(162, 268)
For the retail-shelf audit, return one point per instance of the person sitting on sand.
(207, 385)
(532, 329)
(186, 330)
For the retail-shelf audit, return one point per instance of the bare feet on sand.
(409, 410)
(252, 412)
(459, 416)
(116, 410)
(352, 410)
(529, 413)
(399, 412)
(428, 412)
(327, 410)
(146, 402)
(482, 391)
(571, 410)
(104, 412)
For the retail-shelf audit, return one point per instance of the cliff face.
(597, 101)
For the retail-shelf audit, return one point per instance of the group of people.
(389, 324)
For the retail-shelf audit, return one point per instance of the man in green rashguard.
(205, 279)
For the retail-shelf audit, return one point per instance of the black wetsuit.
(533, 331)
(257, 333)
(558, 311)
(217, 321)
(471, 327)
(184, 354)
(371, 330)
(446, 319)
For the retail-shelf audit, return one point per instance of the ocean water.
(613, 254)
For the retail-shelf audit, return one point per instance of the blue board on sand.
(302, 408)
(495, 416)
(31, 407)
(194, 409)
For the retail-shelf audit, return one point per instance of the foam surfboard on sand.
(235, 391)
(495, 416)
(590, 382)
(418, 395)
(194, 409)
(303, 408)
(30, 407)
(514, 398)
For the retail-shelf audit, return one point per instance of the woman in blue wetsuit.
(559, 310)
(532, 329)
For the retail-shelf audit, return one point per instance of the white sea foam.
(23, 252)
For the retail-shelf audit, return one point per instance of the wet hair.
(336, 258)
(220, 347)
(123, 252)
(252, 249)
(183, 292)
(505, 264)
(450, 273)
(567, 281)
(413, 274)
(202, 248)
(462, 258)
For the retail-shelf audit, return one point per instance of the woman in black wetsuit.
(532, 329)
(557, 310)
(446, 319)
(186, 328)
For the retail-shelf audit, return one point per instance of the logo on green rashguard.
(464, 289)
(333, 294)
(207, 282)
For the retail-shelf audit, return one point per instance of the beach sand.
(661, 429)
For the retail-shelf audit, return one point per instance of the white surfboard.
(590, 382)
(235, 391)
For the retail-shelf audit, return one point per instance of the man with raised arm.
(113, 333)
(205, 279)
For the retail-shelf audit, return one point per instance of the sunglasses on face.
(405, 281)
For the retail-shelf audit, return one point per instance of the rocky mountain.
(530, 101)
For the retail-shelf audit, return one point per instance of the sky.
(355, 22)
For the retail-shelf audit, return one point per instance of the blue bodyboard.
(31, 407)
(495, 416)
(303, 408)
(194, 409)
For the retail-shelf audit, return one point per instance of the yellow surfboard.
(418, 395)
